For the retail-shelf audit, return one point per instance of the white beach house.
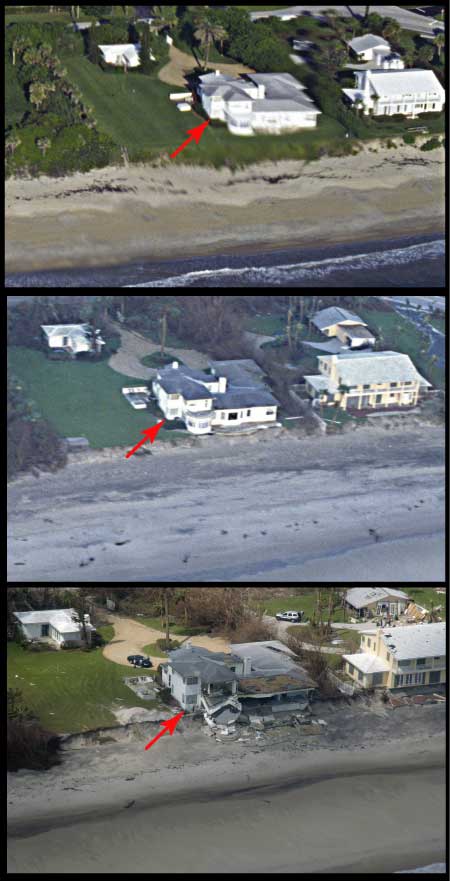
(74, 338)
(60, 626)
(122, 55)
(261, 102)
(388, 92)
(232, 395)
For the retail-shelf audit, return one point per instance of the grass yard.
(137, 113)
(175, 629)
(83, 399)
(439, 324)
(267, 325)
(425, 596)
(71, 690)
(305, 602)
(401, 335)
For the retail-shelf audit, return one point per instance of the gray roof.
(244, 372)
(334, 315)
(359, 368)
(253, 397)
(302, 102)
(360, 597)
(210, 666)
(369, 41)
(416, 641)
(271, 658)
(180, 385)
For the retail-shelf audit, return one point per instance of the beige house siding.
(402, 674)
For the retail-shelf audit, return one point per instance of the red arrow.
(150, 434)
(196, 135)
(169, 726)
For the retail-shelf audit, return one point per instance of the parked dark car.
(133, 659)
(59, 355)
(145, 662)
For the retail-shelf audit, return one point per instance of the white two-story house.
(232, 395)
(391, 92)
(262, 102)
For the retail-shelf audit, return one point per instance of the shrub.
(432, 144)
(28, 744)
(173, 644)
(409, 139)
(255, 630)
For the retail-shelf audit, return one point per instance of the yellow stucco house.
(366, 381)
(400, 657)
(345, 326)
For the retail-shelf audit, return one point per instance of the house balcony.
(239, 126)
(199, 423)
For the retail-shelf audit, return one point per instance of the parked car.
(59, 355)
(133, 659)
(289, 616)
(144, 662)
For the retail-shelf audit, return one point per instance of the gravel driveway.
(130, 638)
(135, 347)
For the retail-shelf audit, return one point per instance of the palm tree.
(38, 94)
(439, 42)
(11, 143)
(391, 30)
(208, 31)
(366, 16)
(20, 44)
(166, 17)
(43, 144)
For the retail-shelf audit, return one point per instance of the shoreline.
(119, 216)
(222, 248)
(307, 809)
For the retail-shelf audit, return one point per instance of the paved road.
(362, 507)
(408, 20)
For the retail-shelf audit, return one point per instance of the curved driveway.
(127, 360)
(131, 637)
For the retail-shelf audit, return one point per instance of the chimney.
(217, 72)
(222, 385)
(247, 666)
(175, 365)
(261, 92)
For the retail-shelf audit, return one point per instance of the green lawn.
(137, 113)
(83, 399)
(305, 602)
(425, 596)
(401, 335)
(267, 325)
(70, 690)
(439, 324)
(175, 629)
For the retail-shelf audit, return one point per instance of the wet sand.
(114, 216)
(367, 507)
(329, 811)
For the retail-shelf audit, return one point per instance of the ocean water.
(408, 262)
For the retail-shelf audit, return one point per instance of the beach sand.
(184, 211)
(366, 506)
(367, 796)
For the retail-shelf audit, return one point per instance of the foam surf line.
(331, 264)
